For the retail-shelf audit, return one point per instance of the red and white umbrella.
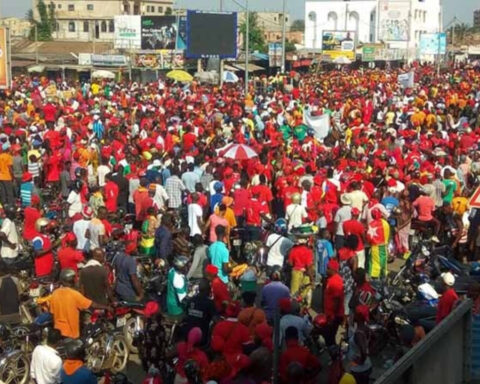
(239, 152)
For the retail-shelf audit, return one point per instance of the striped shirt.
(174, 188)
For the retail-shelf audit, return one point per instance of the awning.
(251, 67)
(230, 68)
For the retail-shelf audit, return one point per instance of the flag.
(319, 124)
(406, 80)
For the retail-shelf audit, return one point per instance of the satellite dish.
(312, 16)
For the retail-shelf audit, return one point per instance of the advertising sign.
(275, 54)
(337, 44)
(372, 52)
(4, 60)
(128, 32)
(159, 32)
(211, 35)
(164, 59)
(182, 33)
(433, 44)
(393, 20)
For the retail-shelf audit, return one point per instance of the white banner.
(393, 20)
(128, 32)
(319, 124)
(406, 80)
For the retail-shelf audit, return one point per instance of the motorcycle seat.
(132, 304)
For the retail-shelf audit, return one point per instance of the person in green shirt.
(177, 287)
(450, 186)
(286, 131)
(300, 132)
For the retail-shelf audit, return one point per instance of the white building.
(398, 23)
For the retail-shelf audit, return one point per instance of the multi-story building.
(398, 23)
(17, 27)
(271, 23)
(476, 18)
(89, 20)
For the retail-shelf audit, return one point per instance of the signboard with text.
(127, 32)
(393, 20)
(337, 44)
(433, 43)
(275, 54)
(163, 59)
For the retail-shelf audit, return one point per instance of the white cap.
(448, 279)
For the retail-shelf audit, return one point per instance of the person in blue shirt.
(390, 202)
(217, 197)
(219, 255)
(74, 370)
(324, 253)
(26, 189)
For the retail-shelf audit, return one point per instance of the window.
(57, 27)
(89, 7)
(160, 9)
(103, 26)
(111, 26)
(71, 26)
(274, 19)
(126, 8)
(59, 6)
(86, 26)
(71, 7)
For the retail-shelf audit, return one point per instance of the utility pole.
(221, 5)
(284, 33)
(346, 16)
(36, 43)
(247, 48)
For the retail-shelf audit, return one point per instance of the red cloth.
(334, 290)
(189, 139)
(31, 215)
(220, 293)
(194, 354)
(446, 304)
(240, 197)
(300, 257)
(255, 207)
(299, 354)
(229, 337)
(265, 194)
(69, 258)
(142, 202)
(49, 112)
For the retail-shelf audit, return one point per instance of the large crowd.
(146, 165)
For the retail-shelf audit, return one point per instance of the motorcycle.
(129, 320)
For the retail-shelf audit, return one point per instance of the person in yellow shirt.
(95, 89)
(7, 195)
(229, 213)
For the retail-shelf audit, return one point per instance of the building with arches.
(397, 23)
(93, 20)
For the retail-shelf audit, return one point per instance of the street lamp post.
(284, 33)
(247, 48)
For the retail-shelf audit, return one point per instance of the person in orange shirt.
(66, 303)
(7, 195)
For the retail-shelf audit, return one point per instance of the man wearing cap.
(221, 296)
(343, 214)
(301, 260)
(333, 301)
(68, 255)
(448, 299)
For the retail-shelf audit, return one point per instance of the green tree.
(298, 25)
(256, 38)
(289, 46)
(46, 25)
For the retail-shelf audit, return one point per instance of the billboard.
(433, 44)
(211, 34)
(274, 54)
(372, 52)
(182, 33)
(128, 32)
(4, 60)
(164, 59)
(337, 44)
(393, 20)
(159, 32)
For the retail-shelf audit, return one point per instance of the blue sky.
(295, 7)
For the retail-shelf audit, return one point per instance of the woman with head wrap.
(188, 350)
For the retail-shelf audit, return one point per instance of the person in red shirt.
(111, 194)
(189, 138)
(241, 200)
(264, 193)
(448, 299)
(221, 296)
(296, 353)
(356, 228)
(50, 112)
(42, 247)
(142, 201)
(301, 260)
(32, 214)
(69, 256)
(333, 302)
(256, 211)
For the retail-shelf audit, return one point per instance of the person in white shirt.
(9, 235)
(195, 216)
(343, 214)
(46, 363)
(295, 212)
(160, 196)
(74, 200)
(358, 198)
(102, 170)
(278, 244)
(80, 228)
